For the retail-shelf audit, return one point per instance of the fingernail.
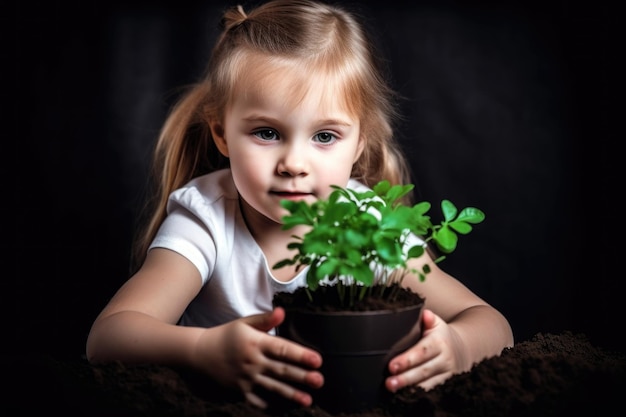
(394, 384)
(303, 399)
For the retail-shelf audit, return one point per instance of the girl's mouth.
(291, 195)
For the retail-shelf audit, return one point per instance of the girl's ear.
(217, 132)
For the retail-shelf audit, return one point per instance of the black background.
(507, 107)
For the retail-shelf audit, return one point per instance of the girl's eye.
(325, 137)
(266, 134)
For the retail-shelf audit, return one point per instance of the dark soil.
(326, 298)
(549, 375)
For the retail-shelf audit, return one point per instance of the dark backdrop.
(506, 107)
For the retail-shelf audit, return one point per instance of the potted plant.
(354, 309)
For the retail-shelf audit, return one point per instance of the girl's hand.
(243, 355)
(433, 359)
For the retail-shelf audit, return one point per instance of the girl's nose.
(293, 162)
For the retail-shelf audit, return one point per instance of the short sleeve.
(184, 233)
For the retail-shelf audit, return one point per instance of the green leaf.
(330, 267)
(283, 263)
(321, 247)
(445, 239)
(449, 210)
(461, 227)
(290, 205)
(421, 208)
(361, 273)
(382, 187)
(357, 237)
(416, 251)
(294, 220)
(353, 255)
(400, 218)
(294, 245)
(389, 250)
(338, 212)
(471, 215)
(396, 192)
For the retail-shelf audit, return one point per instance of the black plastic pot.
(356, 347)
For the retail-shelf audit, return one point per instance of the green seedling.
(358, 240)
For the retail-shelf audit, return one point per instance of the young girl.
(292, 103)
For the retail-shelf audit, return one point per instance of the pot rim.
(353, 312)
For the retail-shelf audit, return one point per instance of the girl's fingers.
(286, 372)
(426, 375)
(276, 386)
(286, 351)
(255, 400)
(278, 363)
(434, 381)
(415, 356)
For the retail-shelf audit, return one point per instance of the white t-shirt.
(205, 225)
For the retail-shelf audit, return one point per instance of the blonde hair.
(320, 39)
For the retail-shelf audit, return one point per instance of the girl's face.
(279, 149)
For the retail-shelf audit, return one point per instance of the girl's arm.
(139, 326)
(138, 323)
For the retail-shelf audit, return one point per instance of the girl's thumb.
(266, 321)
